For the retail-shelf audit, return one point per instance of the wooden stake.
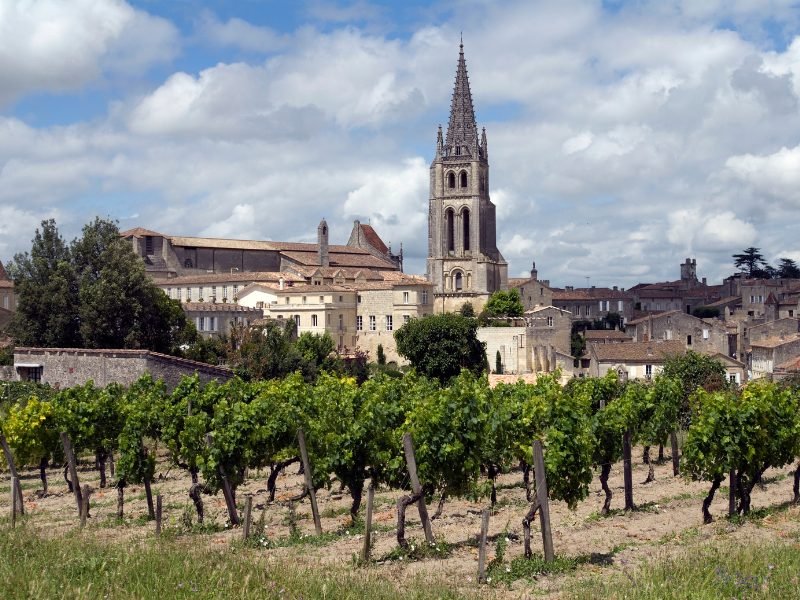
(482, 546)
(301, 441)
(14, 481)
(411, 464)
(544, 501)
(676, 464)
(233, 514)
(732, 493)
(73, 470)
(248, 510)
(85, 504)
(627, 470)
(158, 514)
(368, 523)
(12, 467)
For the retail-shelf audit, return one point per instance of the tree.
(439, 346)
(265, 352)
(381, 358)
(751, 262)
(577, 345)
(94, 294)
(47, 295)
(498, 363)
(788, 269)
(504, 304)
(467, 310)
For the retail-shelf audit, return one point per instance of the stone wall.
(6, 373)
(67, 367)
(512, 344)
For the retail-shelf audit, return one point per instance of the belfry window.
(463, 179)
(466, 227)
(458, 281)
(451, 180)
(450, 230)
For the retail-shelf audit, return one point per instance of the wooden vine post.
(627, 470)
(543, 500)
(301, 441)
(227, 492)
(676, 464)
(73, 470)
(482, 546)
(12, 468)
(248, 516)
(158, 513)
(14, 481)
(85, 504)
(368, 523)
(416, 488)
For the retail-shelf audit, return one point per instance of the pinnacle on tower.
(462, 131)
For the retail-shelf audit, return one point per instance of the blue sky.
(624, 136)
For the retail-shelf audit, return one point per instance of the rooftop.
(637, 351)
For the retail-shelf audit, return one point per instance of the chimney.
(704, 281)
(280, 283)
(615, 288)
(322, 243)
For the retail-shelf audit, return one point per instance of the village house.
(533, 292)
(594, 303)
(217, 319)
(755, 294)
(685, 294)
(632, 360)
(768, 353)
(707, 336)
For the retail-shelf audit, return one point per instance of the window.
(451, 180)
(388, 322)
(201, 324)
(406, 319)
(459, 281)
(424, 296)
(463, 179)
(705, 334)
(297, 321)
(322, 299)
(732, 377)
(148, 245)
(648, 371)
(791, 312)
(549, 321)
(287, 300)
(359, 323)
(235, 291)
(179, 293)
(358, 298)
(304, 299)
(341, 322)
(341, 298)
(169, 295)
(372, 326)
(466, 227)
(313, 320)
(212, 323)
(224, 292)
(188, 294)
(619, 306)
(688, 340)
(450, 230)
(213, 292)
(405, 297)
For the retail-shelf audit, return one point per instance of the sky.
(623, 136)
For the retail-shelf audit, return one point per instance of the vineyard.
(409, 465)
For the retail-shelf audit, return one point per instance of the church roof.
(462, 129)
(374, 239)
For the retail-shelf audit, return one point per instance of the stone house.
(533, 291)
(216, 319)
(221, 287)
(756, 292)
(67, 367)
(632, 360)
(684, 294)
(511, 343)
(768, 353)
(789, 368)
(594, 303)
(707, 336)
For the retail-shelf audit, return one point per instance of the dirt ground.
(669, 518)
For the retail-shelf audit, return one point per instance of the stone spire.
(462, 131)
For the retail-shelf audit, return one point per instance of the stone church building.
(464, 263)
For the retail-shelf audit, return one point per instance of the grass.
(721, 570)
(75, 566)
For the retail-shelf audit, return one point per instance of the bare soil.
(668, 519)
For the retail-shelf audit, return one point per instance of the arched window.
(450, 230)
(463, 179)
(459, 281)
(451, 180)
(466, 227)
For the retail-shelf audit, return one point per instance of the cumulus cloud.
(56, 46)
(620, 141)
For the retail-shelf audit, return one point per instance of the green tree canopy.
(752, 263)
(439, 346)
(788, 269)
(93, 294)
(504, 303)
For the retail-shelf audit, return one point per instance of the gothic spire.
(462, 131)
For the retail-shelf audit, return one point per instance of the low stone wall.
(6, 373)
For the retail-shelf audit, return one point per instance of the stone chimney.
(322, 243)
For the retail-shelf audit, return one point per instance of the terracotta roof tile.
(653, 316)
(791, 365)
(361, 258)
(605, 334)
(374, 239)
(140, 232)
(237, 277)
(776, 341)
(637, 351)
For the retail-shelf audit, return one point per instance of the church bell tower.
(464, 263)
